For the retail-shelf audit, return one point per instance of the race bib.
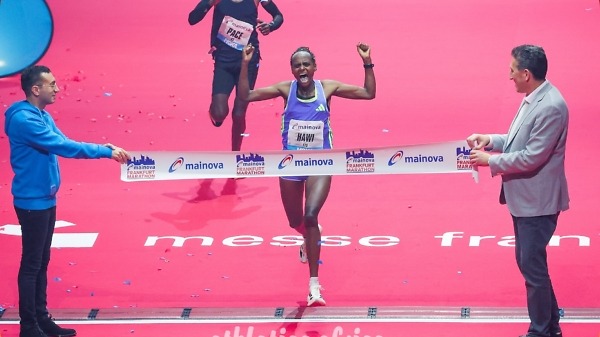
(234, 33)
(305, 134)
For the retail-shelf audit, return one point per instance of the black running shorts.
(227, 74)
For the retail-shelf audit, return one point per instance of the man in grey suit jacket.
(531, 160)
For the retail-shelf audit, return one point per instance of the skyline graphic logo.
(463, 161)
(251, 164)
(143, 161)
(361, 161)
(143, 168)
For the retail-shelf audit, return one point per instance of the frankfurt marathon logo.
(462, 159)
(250, 165)
(199, 166)
(141, 169)
(59, 240)
(361, 161)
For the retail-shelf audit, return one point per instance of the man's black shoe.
(31, 331)
(552, 334)
(53, 330)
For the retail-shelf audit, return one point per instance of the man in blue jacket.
(35, 142)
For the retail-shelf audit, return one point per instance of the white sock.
(313, 281)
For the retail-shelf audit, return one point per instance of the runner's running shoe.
(314, 295)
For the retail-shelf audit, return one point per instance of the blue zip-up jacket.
(35, 143)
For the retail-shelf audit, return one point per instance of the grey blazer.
(532, 161)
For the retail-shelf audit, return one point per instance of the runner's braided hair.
(307, 50)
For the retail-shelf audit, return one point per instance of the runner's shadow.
(202, 205)
(289, 329)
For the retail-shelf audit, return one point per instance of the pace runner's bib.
(305, 135)
(234, 33)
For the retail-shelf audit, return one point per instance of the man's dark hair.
(532, 58)
(32, 76)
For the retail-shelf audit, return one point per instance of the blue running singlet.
(305, 123)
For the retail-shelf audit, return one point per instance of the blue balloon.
(26, 29)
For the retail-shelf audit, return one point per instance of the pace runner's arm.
(199, 12)
(267, 27)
